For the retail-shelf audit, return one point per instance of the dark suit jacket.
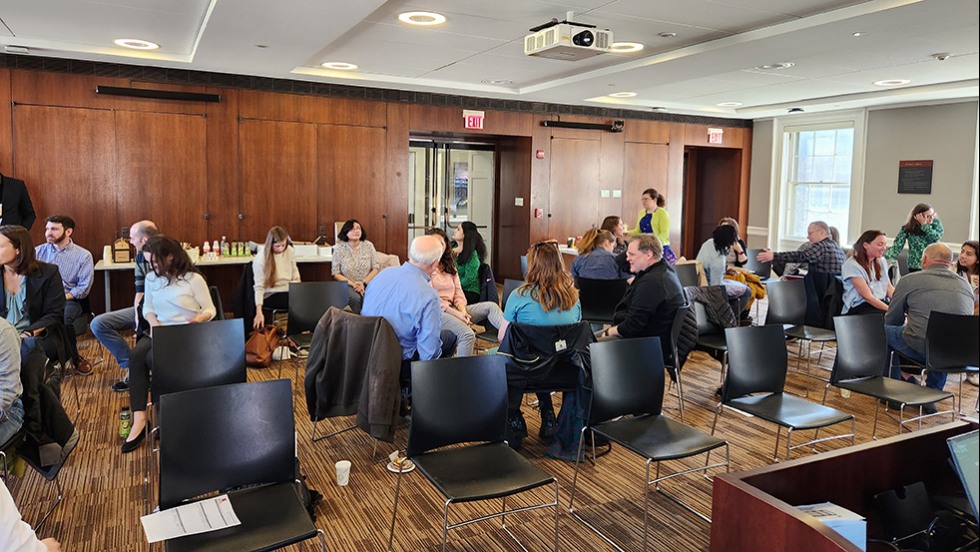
(17, 206)
(45, 297)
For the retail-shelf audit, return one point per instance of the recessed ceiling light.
(422, 18)
(859, 33)
(339, 65)
(136, 44)
(626, 47)
(623, 95)
(891, 82)
(729, 104)
(667, 35)
(497, 81)
(775, 66)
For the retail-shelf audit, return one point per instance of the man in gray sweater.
(934, 288)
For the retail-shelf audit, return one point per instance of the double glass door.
(449, 183)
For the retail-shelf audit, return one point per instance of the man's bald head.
(426, 251)
(937, 254)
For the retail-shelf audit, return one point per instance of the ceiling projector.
(568, 41)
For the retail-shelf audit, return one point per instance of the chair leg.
(646, 501)
(323, 540)
(775, 454)
(874, 426)
(680, 392)
(57, 501)
(394, 510)
(789, 440)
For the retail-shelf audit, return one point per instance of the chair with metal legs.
(787, 306)
(627, 399)
(952, 347)
(676, 365)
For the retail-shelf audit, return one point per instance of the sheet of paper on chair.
(190, 519)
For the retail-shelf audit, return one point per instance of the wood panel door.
(278, 178)
(66, 157)
(162, 172)
(351, 180)
(645, 167)
(711, 191)
(574, 191)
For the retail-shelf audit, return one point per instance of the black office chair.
(307, 303)
(627, 399)
(687, 273)
(757, 364)
(787, 306)
(711, 339)
(599, 298)
(246, 442)
(952, 347)
(464, 400)
(509, 287)
(861, 352)
(216, 299)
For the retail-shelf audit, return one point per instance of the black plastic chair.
(675, 368)
(952, 346)
(711, 339)
(599, 298)
(787, 306)
(687, 273)
(627, 399)
(861, 352)
(523, 266)
(464, 400)
(760, 269)
(757, 364)
(307, 303)
(246, 437)
(509, 286)
(216, 299)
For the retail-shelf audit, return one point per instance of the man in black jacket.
(650, 303)
(15, 203)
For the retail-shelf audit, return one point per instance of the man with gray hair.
(934, 288)
(821, 253)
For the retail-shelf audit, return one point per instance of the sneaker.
(83, 366)
(121, 386)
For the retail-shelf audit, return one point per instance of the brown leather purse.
(260, 345)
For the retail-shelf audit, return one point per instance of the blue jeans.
(893, 334)
(107, 328)
(12, 422)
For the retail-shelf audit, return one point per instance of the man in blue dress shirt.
(74, 262)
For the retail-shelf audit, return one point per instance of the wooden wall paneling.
(645, 166)
(6, 128)
(675, 187)
(162, 172)
(580, 134)
(574, 187)
(540, 192)
(277, 182)
(649, 132)
(351, 179)
(61, 89)
(222, 165)
(279, 106)
(513, 228)
(611, 171)
(431, 118)
(697, 135)
(396, 178)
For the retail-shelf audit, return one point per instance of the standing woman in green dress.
(471, 252)
(922, 230)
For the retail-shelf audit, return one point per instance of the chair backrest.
(787, 302)
(309, 300)
(687, 273)
(509, 286)
(627, 378)
(862, 350)
(216, 299)
(228, 436)
(760, 269)
(704, 325)
(951, 341)
(457, 400)
(600, 297)
(523, 266)
(191, 356)
(756, 361)
(675, 334)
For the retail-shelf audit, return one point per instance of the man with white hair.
(933, 289)
(821, 253)
(404, 297)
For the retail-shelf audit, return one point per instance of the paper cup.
(107, 254)
(343, 472)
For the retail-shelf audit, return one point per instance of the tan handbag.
(260, 345)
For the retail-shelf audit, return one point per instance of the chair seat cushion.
(811, 333)
(272, 517)
(890, 389)
(789, 411)
(658, 437)
(480, 472)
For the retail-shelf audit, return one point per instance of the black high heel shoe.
(130, 446)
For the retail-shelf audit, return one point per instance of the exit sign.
(473, 120)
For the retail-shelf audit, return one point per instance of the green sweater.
(931, 233)
(469, 274)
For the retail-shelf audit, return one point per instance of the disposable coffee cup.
(343, 472)
(107, 254)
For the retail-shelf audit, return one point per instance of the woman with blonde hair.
(272, 272)
(596, 259)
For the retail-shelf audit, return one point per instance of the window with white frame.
(816, 177)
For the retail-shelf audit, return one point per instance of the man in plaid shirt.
(821, 253)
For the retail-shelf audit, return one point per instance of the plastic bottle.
(215, 249)
(125, 421)
(225, 251)
(206, 250)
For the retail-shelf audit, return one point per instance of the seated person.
(273, 271)
(866, 285)
(11, 407)
(821, 253)
(34, 297)
(736, 254)
(175, 293)
(471, 252)
(713, 256)
(456, 314)
(614, 225)
(547, 298)
(596, 259)
(354, 262)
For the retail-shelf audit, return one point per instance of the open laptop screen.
(966, 457)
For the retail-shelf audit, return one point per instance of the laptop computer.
(965, 452)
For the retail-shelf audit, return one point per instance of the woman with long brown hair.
(33, 296)
(614, 225)
(922, 230)
(272, 272)
(865, 275)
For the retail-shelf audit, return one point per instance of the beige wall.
(762, 157)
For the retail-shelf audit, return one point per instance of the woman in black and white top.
(354, 261)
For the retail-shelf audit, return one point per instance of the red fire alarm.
(539, 213)
(539, 154)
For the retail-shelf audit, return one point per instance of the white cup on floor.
(343, 472)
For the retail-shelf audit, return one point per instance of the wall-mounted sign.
(539, 154)
(716, 135)
(915, 177)
(473, 120)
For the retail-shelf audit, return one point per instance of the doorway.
(450, 182)
(712, 179)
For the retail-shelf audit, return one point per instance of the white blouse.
(179, 301)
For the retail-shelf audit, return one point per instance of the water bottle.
(125, 421)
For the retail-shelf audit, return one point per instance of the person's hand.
(51, 544)
(358, 287)
(764, 256)
(259, 321)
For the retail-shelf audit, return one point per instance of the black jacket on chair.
(51, 435)
(545, 357)
(17, 206)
